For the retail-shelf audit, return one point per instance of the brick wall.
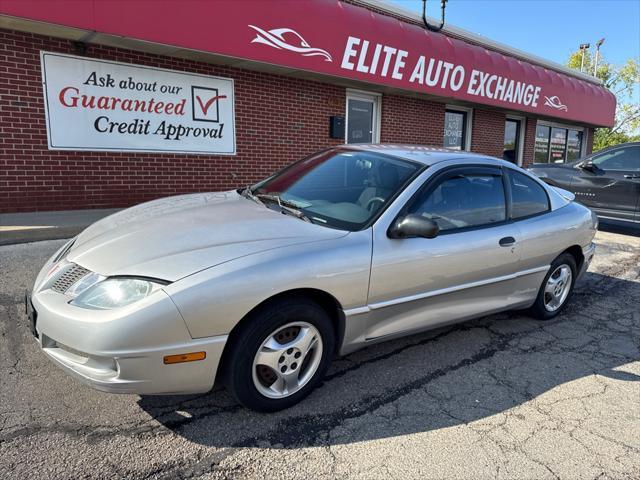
(411, 120)
(278, 120)
(487, 134)
(589, 132)
(529, 141)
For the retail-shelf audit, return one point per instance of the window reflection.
(574, 145)
(541, 149)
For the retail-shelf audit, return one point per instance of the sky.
(551, 29)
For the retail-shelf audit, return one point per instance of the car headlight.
(83, 284)
(115, 293)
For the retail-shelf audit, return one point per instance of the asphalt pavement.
(499, 397)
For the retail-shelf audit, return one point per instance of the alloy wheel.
(557, 288)
(287, 360)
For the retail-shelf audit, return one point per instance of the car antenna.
(443, 6)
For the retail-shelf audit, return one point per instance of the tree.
(624, 82)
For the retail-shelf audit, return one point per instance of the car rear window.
(528, 197)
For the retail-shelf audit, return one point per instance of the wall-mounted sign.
(100, 105)
(454, 130)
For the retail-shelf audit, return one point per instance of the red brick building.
(302, 75)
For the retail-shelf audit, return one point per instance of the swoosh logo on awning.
(554, 102)
(276, 38)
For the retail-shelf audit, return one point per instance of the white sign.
(111, 106)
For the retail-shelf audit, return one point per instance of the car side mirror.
(590, 167)
(414, 225)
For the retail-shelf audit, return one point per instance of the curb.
(13, 237)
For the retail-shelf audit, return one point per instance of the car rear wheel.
(280, 354)
(556, 288)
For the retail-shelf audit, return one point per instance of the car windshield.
(341, 189)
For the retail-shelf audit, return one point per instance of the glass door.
(362, 118)
(511, 150)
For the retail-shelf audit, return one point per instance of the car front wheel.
(280, 354)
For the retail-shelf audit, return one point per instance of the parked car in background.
(261, 287)
(607, 181)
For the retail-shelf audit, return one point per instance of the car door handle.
(632, 176)
(507, 241)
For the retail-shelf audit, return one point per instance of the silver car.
(261, 287)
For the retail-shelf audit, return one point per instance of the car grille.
(71, 275)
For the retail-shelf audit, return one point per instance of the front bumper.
(141, 372)
(123, 350)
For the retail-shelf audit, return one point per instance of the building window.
(574, 145)
(455, 130)
(511, 149)
(362, 118)
(541, 149)
(557, 150)
(557, 144)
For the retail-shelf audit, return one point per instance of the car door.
(609, 182)
(467, 270)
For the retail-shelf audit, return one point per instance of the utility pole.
(583, 48)
(595, 66)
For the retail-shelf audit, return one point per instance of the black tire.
(539, 310)
(256, 329)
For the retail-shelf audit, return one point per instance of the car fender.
(213, 301)
(545, 236)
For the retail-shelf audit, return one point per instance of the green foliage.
(604, 68)
(624, 82)
(606, 137)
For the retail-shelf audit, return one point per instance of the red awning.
(332, 38)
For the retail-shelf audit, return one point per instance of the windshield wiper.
(286, 206)
(248, 193)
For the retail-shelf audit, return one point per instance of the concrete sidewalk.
(36, 226)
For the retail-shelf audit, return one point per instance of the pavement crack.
(300, 430)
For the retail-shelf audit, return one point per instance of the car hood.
(177, 236)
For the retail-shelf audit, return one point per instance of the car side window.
(626, 158)
(463, 201)
(528, 197)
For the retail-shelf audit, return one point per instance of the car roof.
(424, 154)
(612, 147)
(429, 156)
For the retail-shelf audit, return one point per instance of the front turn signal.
(185, 357)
